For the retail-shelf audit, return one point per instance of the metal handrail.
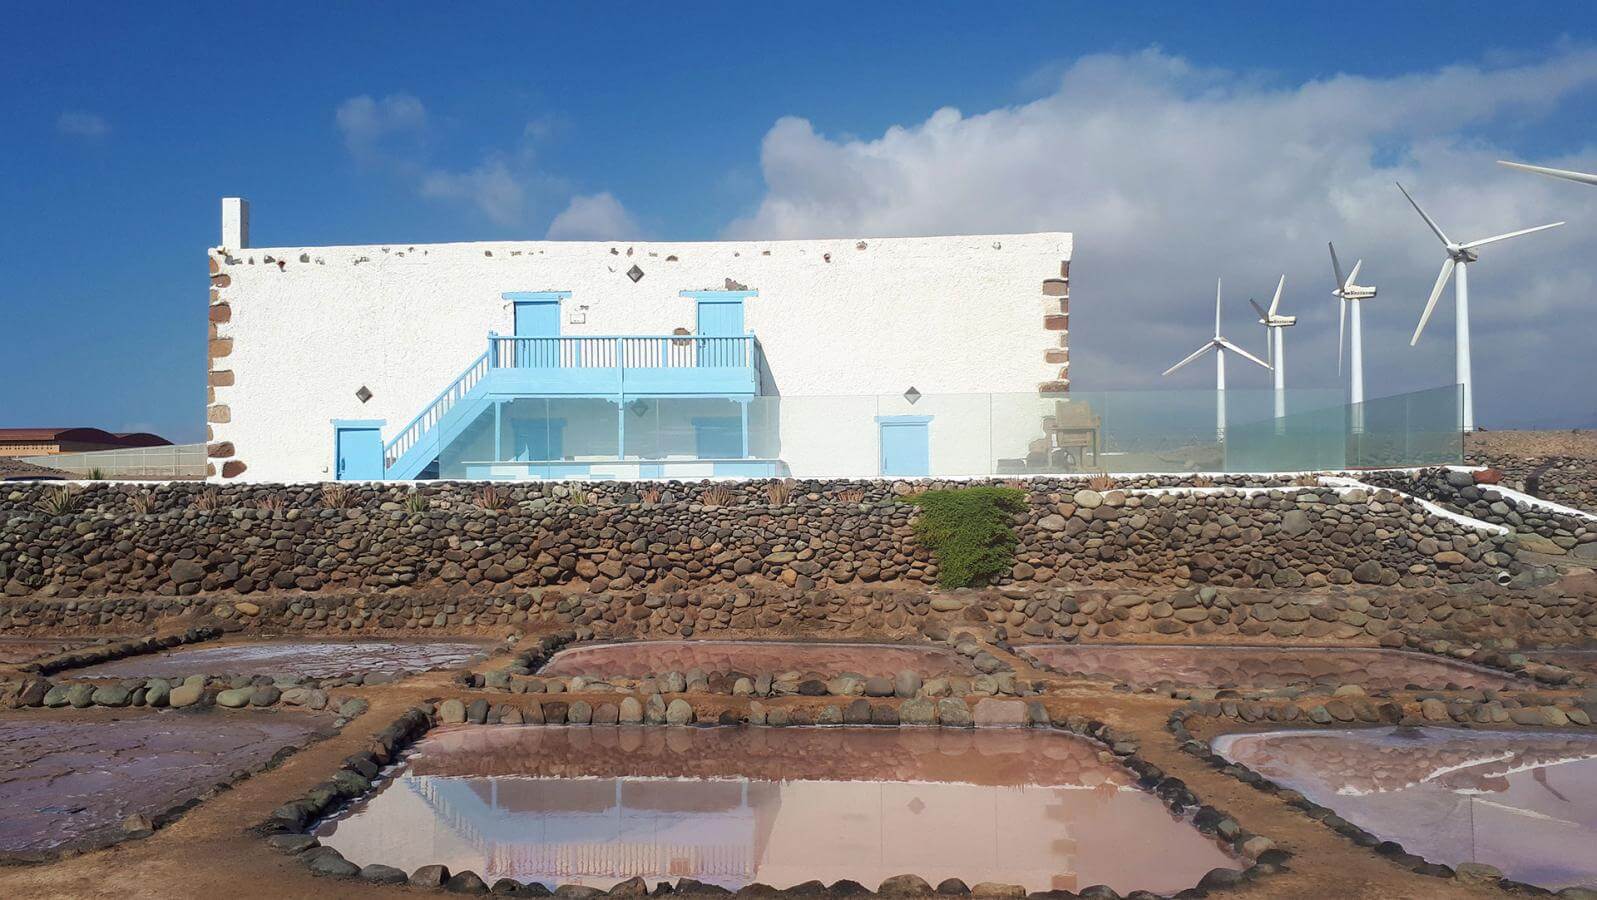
(632, 351)
(433, 412)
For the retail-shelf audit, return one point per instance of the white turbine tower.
(1347, 294)
(1219, 345)
(1581, 177)
(1459, 256)
(1275, 326)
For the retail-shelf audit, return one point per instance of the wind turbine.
(1581, 177)
(1275, 326)
(1459, 256)
(1219, 345)
(1348, 293)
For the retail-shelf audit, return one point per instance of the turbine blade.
(1341, 329)
(1241, 352)
(1195, 354)
(1354, 275)
(1428, 220)
(1217, 307)
(1430, 305)
(1581, 177)
(1336, 265)
(1512, 234)
(1258, 309)
(1276, 303)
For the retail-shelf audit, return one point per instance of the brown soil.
(1577, 444)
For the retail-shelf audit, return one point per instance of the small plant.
(416, 504)
(717, 495)
(207, 501)
(272, 503)
(777, 493)
(61, 501)
(96, 475)
(1307, 479)
(489, 496)
(650, 496)
(578, 495)
(970, 531)
(1101, 483)
(337, 496)
(142, 503)
(850, 495)
(1203, 481)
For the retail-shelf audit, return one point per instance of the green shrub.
(970, 531)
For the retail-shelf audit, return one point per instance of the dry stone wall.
(1541, 530)
(183, 541)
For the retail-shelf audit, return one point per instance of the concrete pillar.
(235, 223)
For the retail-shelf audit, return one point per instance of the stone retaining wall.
(1569, 480)
(1540, 530)
(192, 539)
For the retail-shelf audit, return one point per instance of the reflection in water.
(1525, 803)
(298, 658)
(1265, 667)
(642, 658)
(735, 805)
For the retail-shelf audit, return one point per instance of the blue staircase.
(418, 444)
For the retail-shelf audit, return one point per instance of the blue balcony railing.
(626, 364)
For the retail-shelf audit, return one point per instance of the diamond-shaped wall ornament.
(363, 394)
(638, 407)
(912, 395)
(635, 273)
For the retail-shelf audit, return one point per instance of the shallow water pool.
(1523, 802)
(302, 658)
(734, 805)
(642, 658)
(1265, 667)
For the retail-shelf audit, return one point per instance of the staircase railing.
(434, 412)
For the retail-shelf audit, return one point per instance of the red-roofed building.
(50, 441)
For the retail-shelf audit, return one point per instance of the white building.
(631, 359)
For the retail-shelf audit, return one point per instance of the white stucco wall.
(309, 326)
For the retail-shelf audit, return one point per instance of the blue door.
(718, 437)
(906, 445)
(719, 321)
(358, 450)
(538, 319)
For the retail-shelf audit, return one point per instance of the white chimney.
(235, 223)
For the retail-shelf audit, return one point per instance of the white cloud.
(365, 121)
(76, 123)
(491, 187)
(593, 217)
(1171, 174)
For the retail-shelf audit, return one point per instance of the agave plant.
(489, 496)
(1307, 479)
(850, 495)
(1101, 483)
(142, 503)
(272, 503)
(207, 501)
(717, 495)
(779, 492)
(650, 496)
(579, 495)
(416, 504)
(337, 496)
(61, 501)
(1202, 481)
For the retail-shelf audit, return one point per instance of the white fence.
(175, 461)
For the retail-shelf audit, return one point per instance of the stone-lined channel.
(296, 658)
(1525, 803)
(734, 805)
(642, 658)
(1144, 665)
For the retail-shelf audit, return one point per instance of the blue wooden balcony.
(625, 365)
(605, 366)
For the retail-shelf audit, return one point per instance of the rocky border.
(287, 829)
(102, 653)
(1389, 714)
(198, 691)
(139, 826)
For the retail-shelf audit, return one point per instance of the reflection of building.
(620, 359)
(687, 818)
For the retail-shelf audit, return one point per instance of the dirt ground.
(1577, 444)
(208, 853)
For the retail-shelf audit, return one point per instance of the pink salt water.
(1265, 667)
(734, 805)
(304, 658)
(1523, 802)
(643, 658)
(71, 782)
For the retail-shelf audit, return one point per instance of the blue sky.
(417, 122)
